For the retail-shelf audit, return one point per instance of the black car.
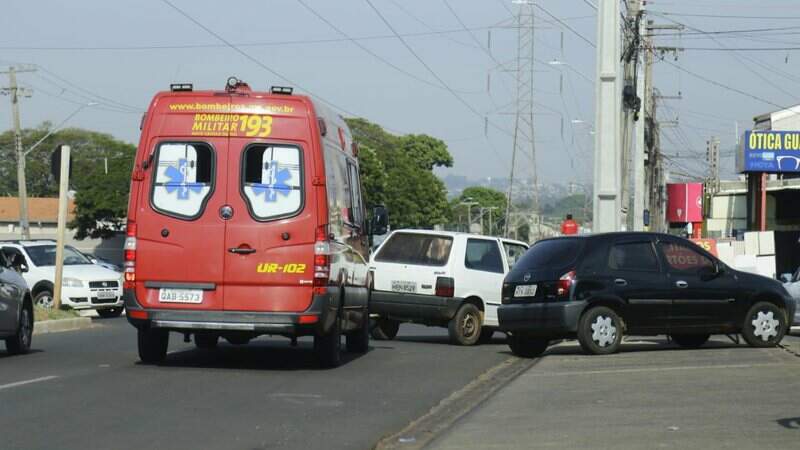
(598, 288)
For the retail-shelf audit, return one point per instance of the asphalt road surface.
(87, 389)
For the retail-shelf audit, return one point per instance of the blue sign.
(770, 151)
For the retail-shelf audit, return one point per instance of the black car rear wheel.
(600, 331)
(385, 329)
(153, 344)
(764, 325)
(527, 347)
(20, 343)
(690, 340)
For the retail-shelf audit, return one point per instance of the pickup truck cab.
(439, 278)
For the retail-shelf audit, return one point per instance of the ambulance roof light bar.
(181, 87)
(282, 90)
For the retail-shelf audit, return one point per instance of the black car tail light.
(565, 283)
(445, 287)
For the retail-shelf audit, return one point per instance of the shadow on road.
(254, 356)
(4, 354)
(640, 345)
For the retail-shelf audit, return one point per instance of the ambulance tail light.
(322, 259)
(130, 256)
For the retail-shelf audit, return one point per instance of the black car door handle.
(620, 282)
(242, 250)
(681, 284)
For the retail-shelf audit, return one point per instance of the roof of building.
(40, 209)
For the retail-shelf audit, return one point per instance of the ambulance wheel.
(328, 347)
(153, 345)
(358, 341)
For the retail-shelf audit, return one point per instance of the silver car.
(16, 310)
(792, 284)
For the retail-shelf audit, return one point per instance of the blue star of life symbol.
(277, 183)
(177, 181)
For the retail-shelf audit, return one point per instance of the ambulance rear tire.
(328, 347)
(153, 344)
(358, 341)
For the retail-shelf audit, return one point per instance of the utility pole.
(643, 91)
(632, 103)
(523, 123)
(607, 117)
(15, 92)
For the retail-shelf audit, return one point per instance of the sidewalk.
(652, 395)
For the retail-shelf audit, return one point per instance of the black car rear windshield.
(551, 254)
(415, 248)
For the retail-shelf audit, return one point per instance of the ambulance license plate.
(404, 286)
(180, 295)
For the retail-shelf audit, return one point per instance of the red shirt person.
(569, 226)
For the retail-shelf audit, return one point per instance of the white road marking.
(22, 383)
(655, 369)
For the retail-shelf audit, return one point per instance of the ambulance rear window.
(184, 178)
(272, 180)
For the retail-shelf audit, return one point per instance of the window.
(683, 258)
(184, 179)
(414, 248)
(483, 255)
(513, 252)
(45, 255)
(272, 181)
(637, 256)
(356, 213)
(552, 253)
(14, 257)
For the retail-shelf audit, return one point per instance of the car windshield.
(45, 255)
(551, 254)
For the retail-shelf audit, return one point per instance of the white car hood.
(86, 272)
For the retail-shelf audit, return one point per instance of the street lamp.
(58, 127)
(557, 62)
(469, 203)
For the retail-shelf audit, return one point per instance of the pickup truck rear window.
(415, 248)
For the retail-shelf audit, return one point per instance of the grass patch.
(41, 314)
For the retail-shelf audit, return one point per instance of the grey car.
(16, 310)
(792, 284)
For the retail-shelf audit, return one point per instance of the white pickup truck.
(440, 279)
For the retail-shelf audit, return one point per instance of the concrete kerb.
(425, 429)
(55, 326)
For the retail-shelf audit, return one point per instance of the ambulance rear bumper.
(317, 319)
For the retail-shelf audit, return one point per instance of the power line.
(366, 49)
(565, 25)
(724, 16)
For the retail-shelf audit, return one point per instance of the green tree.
(485, 198)
(397, 171)
(101, 170)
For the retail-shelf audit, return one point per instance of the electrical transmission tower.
(523, 123)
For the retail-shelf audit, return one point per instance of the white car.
(84, 285)
(792, 284)
(440, 279)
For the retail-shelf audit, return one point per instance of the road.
(86, 389)
(650, 395)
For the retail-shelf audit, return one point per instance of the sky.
(118, 54)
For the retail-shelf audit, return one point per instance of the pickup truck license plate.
(106, 294)
(166, 295)
(404, 286)
(526, 290)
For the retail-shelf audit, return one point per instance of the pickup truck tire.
(385, 329)
(527, 347)
(153, 345)
(465, 327)
(358, 341)
(109, 313)
(328, 347)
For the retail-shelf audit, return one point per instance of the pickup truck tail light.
(130, 256)
(565, 283)
(322, 260)
(445, 287)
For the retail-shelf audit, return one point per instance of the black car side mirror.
(379, 224)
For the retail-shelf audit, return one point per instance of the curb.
(425, 429)
(55, 326)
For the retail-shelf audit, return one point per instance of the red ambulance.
(245, 219)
